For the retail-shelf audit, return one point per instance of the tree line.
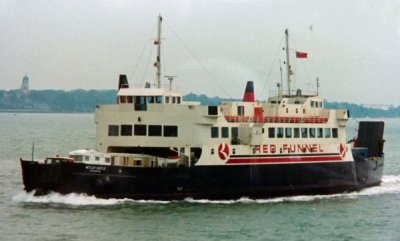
(86, 101)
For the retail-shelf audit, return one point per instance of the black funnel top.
(123, 81)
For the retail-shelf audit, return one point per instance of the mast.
(157, 42)
(288, 70)
(280, 87)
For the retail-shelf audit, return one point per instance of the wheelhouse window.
(155, 130)
(140, 130)
(280, 132)
(129, 99)
(312, 132)
(288, 132)
(173, 100)
(214, 132)
(178, 99)
(296, 132)
(159, 99)
(113, 130)
(271, 132)
(304, 133)
(171, 131)
(122, 99)
(126, 130)
(327, 132)
(166, 99)
(320, 133)
(140, 103)
(334, 132)
(224, 132)
(151, 99)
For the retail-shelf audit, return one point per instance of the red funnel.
(249, 92)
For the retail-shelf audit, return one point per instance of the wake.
(390, 185)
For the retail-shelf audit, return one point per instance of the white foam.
(69, 199)
(390, 184)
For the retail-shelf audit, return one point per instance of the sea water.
(371, 214)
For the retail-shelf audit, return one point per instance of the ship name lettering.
(95, 168)
(289, 148)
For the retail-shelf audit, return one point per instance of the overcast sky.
(353, 46)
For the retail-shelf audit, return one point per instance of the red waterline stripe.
(284, 159)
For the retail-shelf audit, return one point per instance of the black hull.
(202, 182)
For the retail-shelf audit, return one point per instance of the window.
(140, 100)
(122, 99)
(224, 132)
(151, 99)
(178, 99)
(296, 132)
(312, 132)
(86, 158)
(138, 162)
(140, 130)
(173, 100)
(214, 132)
(167, 99)
(304, 133)
(271, 132)
(320, 133)
(280, 132)
(107, 160)
(288, 132)
(97, 158)
(154, 130)
(171, 131)
(312, 103)
(159, 99)
(126, 130)
(129, 99)
(233, 151)
(235, 132)
(334, 132)
(327, 132)
(240, 110)
(287, 110)
(140, 103)
(113, 130)
(212, 110)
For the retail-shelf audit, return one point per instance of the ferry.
(153, 145)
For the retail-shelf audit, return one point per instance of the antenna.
(317, 86)
(170, 78)
(289, 71)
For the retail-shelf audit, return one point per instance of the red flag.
(301, 55)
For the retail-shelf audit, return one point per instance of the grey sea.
(371, 214)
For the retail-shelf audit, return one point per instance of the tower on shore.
(25, 85)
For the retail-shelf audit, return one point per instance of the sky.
(213, 46)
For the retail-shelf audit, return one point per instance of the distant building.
(25, 85)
